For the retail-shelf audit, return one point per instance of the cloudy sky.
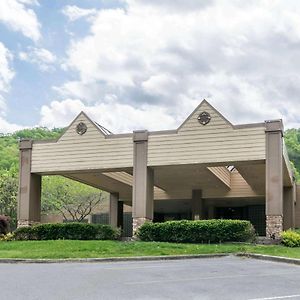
(135, 64)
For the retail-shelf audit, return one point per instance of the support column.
(289, 201)
(197, 205)
(143, 182)
(29, 193)
(120, 214)
(113, 209)
(274, 179)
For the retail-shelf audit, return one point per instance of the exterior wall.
(81, 152)
(288, 179)
(53, 218)
(288, 207)
(216, 142)
(297, 208)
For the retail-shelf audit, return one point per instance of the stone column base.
(137, 223)
(274, 226)
(26, 223)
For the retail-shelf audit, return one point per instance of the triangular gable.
(71, 130)
(216, 118)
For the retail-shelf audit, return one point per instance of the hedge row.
(202, 231)
(67, 231)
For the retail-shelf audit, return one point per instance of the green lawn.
(95, 249)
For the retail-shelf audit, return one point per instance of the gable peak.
(205, 110)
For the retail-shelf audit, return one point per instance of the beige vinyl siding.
(215, 142)
(193, 143)
(82, 152)
(239, 188)
(222, 173)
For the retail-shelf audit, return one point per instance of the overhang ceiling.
(177, 182)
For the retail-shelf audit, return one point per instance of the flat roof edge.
(155, 132)
(250, 125)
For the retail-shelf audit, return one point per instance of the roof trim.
(250, 125)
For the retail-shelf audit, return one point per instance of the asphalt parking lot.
(211, 278)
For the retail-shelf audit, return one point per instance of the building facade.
(206, 168)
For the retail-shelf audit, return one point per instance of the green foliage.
(72, 199)
(202, 231)
(60, 249)
(4, 224)
(290, 238)
(8, 196)
(38, 133)
(292, 141)
(7, 237)
(67, 231)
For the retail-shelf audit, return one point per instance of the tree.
(73, 200)
(8, 196)
(4, 225)
(292, 141)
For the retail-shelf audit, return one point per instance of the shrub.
(290, 238)
(4, 224)
(68, 231)
(7, 237)
(23, 233)
(202, 231)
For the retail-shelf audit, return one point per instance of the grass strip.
(60, 249)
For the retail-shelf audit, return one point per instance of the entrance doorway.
(253, 213)
(239, 213)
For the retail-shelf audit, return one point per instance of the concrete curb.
(149, 258)
(294, 261)
(108, 259)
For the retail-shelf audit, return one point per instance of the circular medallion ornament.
(204, 118)
(81, 128)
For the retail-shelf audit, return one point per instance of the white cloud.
(242, 56)
(77, 89)
(74, 12)
(30, 2)
(6, 71)
(114, 116)
(16, 15)
(43, 58)
(6, 76)
(6, 127)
